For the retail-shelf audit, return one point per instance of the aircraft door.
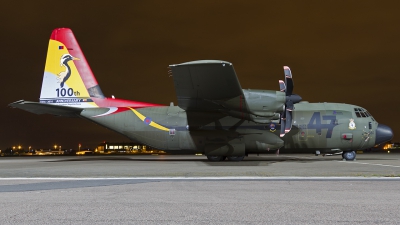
(303, 133)
(173, 140)
(346, 132)
(310, 132)
(346, 139)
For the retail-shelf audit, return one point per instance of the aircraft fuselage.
(326, 127)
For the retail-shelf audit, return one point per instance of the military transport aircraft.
(214, 116)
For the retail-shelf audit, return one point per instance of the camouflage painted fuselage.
(316, 126)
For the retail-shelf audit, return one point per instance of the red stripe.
(115, 102)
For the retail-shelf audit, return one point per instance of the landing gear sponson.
(218, 158)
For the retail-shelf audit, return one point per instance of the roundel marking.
(147, 120)
(150, 122)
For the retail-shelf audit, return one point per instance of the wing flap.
(40, 108)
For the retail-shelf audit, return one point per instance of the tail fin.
(68, 79)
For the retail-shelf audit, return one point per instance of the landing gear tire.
(216, 158)
(349, 155)
(235, 158)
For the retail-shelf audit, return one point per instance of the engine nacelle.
(264, 105)
(266, 147)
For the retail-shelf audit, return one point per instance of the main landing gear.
(218, 158)
(349, 155)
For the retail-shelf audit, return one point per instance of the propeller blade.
(291, 99)
(283, 120)
(288, 80)
(288, 122)
(289, 106)
(282, 85)
(282, 129)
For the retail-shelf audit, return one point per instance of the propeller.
(291, 99)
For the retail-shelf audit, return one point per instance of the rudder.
(68, 79)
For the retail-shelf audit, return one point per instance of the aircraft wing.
(205, 85)
(40, 108)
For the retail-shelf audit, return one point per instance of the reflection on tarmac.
(198, 166)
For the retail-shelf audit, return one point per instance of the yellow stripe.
(137, 114)
(153, 124)
(158, 126)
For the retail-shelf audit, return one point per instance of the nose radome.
(383, 134)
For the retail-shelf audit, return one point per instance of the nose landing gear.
(349, 155)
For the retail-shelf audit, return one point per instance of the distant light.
(388, 151)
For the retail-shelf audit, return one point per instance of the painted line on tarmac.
(298, 157)
(372, 164)
(200, 178)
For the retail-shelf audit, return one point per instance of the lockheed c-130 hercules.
(214, 116)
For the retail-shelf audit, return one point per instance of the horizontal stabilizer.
(40, 108)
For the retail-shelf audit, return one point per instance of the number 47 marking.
(315, 123)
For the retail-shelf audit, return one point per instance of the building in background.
(124, 147)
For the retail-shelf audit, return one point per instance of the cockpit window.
(360, 112)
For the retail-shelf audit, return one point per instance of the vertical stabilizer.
(68, 79)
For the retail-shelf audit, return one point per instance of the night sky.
(339, 51)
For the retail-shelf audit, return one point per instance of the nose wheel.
(349, 155)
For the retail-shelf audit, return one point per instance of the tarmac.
(165, 189)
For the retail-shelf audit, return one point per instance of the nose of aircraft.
(383, 134)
